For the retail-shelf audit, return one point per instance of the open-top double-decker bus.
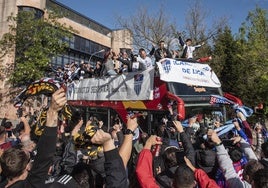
(186, 86)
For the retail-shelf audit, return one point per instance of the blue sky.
(106, 11)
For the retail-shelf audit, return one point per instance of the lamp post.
(103, 50)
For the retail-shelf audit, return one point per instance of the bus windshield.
(197, 101)
(193, 95)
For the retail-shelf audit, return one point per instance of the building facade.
(91, 38)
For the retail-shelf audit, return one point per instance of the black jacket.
(158, 54)
(165, 178)
(116, 176)
(46, 148)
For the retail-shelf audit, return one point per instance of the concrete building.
(91, 38)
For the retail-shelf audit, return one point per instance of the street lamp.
(103, 50)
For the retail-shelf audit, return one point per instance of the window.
(87, 50)
(83, 44)
(77, 17)
(38, 13)
(77, 43)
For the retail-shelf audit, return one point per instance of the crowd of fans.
(47, 150)
(88, 154)
(114, 64)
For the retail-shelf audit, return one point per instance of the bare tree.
(196, 19)
(148, 29)
(195, 23)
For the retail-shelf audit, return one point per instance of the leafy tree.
(225, 61)
(36, 41)
(253, 43)
(241, 61)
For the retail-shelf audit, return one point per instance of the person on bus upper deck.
(137, 66)
(74, 74)
(108, 64)
(98, 69)
(86, 70)
(127, 63)
(117, 64)
(188, 49)
(162, 52)
(144, 59)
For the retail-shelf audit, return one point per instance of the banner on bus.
(130, 86)
(188, 73)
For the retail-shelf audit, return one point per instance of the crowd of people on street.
(47, 150)
(90, 154)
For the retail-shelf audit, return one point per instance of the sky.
(106, 12)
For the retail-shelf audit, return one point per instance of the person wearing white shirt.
(188, 49)
(144, 59)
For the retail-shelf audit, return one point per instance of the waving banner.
(46, 86)
(188, 73)
(131, 86)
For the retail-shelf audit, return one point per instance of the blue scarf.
(217, 99)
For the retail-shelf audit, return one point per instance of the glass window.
(65, 60)
(38, 13)
(77, 43)
(71, 54)
(59, 59)
(79, 18)
(87, 46)
(72, 45)
(82, 44)
(93, 47)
